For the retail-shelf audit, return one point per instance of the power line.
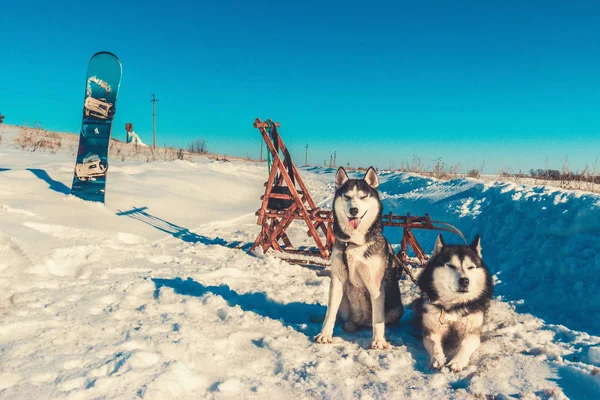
(38, 96)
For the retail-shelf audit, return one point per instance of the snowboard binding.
(91, 169)
(98, 108)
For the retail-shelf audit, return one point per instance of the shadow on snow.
(54, 185)
(179, 232)
(295, 315)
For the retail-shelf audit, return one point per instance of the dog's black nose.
(464, 282)
(353, 211)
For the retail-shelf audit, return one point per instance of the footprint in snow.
(160, 259)
(68, 261)
(129, 238)
(5, 208)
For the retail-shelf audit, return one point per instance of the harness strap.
(269, 131)
(404, 267)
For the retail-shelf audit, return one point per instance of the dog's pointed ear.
(371, 178)
(476, 245)
(341, 177)
(439, 245)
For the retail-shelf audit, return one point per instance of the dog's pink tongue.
(354, 222)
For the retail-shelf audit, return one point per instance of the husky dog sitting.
(456, 292)
(364, 288)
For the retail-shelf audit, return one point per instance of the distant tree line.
(566, 175)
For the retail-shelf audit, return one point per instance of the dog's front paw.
(458, 364)
(437, 361)
(323, 338)
(380, 344)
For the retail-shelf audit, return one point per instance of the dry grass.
(133, 151)
(439, 169)
(35, 138)
(587, 180)
(415, 166)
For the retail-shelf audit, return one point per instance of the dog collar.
(442, 317)
(347, 243)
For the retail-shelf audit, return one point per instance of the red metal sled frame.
(408, 223)
(274, 223)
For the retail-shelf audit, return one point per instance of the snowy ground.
(153, 295)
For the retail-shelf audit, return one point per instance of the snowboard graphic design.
(102, 88)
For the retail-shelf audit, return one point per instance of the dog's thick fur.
(456, 290)
(364, 288)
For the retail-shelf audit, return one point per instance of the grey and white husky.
(364, 288)
(456, 290)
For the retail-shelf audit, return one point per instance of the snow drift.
(543, 243)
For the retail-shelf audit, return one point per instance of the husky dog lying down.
(456, 289)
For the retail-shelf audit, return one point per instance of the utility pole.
(261, 146)
(306, 156)
(154, 100)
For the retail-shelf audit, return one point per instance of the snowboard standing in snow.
(102, 87)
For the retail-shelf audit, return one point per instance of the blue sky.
(512, 83)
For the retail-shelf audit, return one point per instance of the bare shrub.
(566, 176)
(594, 175)
(439, 170)
(476, 172)
(198, 146)
(417, 165)
(504, 173)
(454, 171)
(473, 173)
